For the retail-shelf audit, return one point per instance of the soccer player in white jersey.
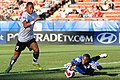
(26, 37)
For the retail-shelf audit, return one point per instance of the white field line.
(100, 63)
(111, 62)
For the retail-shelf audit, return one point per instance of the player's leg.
(34, 46)
(19, 47)
(90, 71)
(96, 58)
(12, 61)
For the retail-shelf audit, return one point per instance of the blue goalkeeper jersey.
(78, 62)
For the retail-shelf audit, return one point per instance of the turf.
(52, 56)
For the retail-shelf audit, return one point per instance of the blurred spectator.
(94, 0)
(74, 11)
(111, 6)
(20, 2)
(79, 0)
(1, 18)
(98, 13)
(85, 12)
(38, 11)
(105, 6)
(47, 14)
(95, 6)
(85, 9)
(107, 0)
(99, 7)
(63, 14)
(68, 10)
(80, 15)
(46, 4)
(79, 10)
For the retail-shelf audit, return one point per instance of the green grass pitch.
(53, 56)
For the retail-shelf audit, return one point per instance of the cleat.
(38, 66)
(103, 55)
(8, 69)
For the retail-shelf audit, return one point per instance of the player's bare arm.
(28, 24)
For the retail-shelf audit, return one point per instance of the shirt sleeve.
(76, 61)
(24, 17)
(92, 61)
(35, 14)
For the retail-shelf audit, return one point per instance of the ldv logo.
(106, 38)
(1, 37)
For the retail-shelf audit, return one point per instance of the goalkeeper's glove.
(94, 66)
(67, 65)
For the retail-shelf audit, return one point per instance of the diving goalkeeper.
(84, 64)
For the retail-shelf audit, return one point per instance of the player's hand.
(89, 66)
(67, 65)
(37, 18)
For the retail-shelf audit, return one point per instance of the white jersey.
(26, 34)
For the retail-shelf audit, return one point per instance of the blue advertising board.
(68, 37)
(106, 38)
(14, 26)
(2, 37)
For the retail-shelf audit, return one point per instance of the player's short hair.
(29, 3)
(87, 56)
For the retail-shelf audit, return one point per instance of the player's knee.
(36, 50)
(100, 67)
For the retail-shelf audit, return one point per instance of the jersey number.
(17, 47)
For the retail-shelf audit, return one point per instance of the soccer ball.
(69, 73)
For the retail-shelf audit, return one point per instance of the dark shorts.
(85, 71)
(20, 46)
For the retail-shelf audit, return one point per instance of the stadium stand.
(13, 9)
(92, 11)
(63, 9)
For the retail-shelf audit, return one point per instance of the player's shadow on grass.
(108, 68)
(98, 74)
(105, 73)
(23, 75)
(37, 71)
(29, 75)
(46, 71)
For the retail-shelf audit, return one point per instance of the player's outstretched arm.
(28, 24)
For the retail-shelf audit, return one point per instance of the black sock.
(96, 58)
(35, 55)
(12, 61)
